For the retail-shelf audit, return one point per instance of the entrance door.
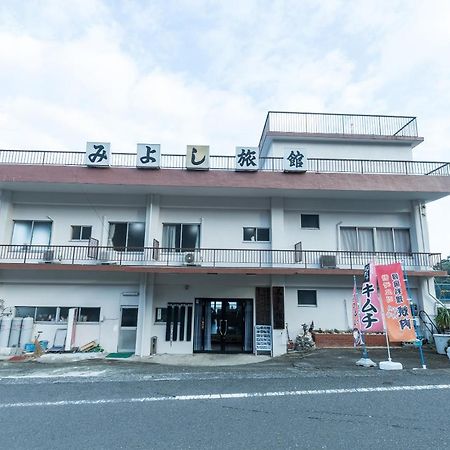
(224, 325)
(128, 329)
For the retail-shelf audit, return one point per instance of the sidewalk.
(319, 359)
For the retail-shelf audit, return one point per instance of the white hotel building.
(202, 258)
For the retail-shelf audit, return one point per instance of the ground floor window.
(306, 297)
(58, 314)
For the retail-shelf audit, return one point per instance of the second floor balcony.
(212, 258)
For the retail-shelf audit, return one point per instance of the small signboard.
(98, 154)
(263, 338)
(197, 157)
(148, 156)
(247, 159)
(295, 160)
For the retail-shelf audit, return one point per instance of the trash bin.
(153, 343)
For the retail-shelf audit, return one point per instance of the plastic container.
(26, 335)
(14, 334)
(5, 329)
(29, 348)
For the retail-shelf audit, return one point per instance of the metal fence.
(269, 164)
(211, 257)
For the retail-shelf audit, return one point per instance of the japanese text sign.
(247, 158)
(98, 154)
(356, 318)
(148, 156)
(295, 160)
(197, 157)
(371, 318)
(397, 310)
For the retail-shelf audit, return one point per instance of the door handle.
(223, 329)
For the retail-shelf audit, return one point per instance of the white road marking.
(238, 395)
(71, 374)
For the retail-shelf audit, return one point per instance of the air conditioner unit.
(192, 259)
(103, 259)
(48, 256)
(328, 261)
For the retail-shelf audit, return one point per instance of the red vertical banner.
(397, 310)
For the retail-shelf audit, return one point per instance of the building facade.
(216, 253)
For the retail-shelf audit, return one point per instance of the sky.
(207, 71)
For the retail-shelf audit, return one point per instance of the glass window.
(365, 240)
(385, 240)
(402, 240)
(25, 311)
(306, 298)
(31, 232)
(349, 239)
(256, 234)
(310, 221)
(89, 315)
(46, 314)
(181, 237)
(127, 236)
(129, 317)
(81, 232)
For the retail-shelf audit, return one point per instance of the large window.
(127, 236)
(253, 234)
(181, 237)
(310, 221)
(58, 314)
(375, 239)
(31, 232)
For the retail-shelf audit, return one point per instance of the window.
(81, 232)
(31, 232)
(57, 314)
(125, 236)
(306, 298)
(181, 237)
(256, 234)
(386, 239)
(310, 221)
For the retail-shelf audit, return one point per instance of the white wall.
(343, 150)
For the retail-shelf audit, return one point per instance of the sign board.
(71, 324)
(98, 154)
(148, 156)
(263, 338)
(247, 159)
(295, 160)
(197, 157)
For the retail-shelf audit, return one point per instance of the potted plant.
(443, 323)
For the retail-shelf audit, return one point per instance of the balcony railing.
(339, 124)
(212, 257)
(269, 164)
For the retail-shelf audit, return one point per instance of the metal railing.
(212, 257)
(339, 124)
(268, 164)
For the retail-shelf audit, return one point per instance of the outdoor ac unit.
(189, 258)
(48, 256)
(103, 258)
(328, 261)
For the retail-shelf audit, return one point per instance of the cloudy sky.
(208, 71)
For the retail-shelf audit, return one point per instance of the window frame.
(32, 223)
(82, 227)
(178, 248)
(375, 239)
(309, 215)
(257, 231)
(307, 305)
(125, 248)
(58, 320)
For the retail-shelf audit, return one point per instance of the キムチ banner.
(371, 319)
(397, 310)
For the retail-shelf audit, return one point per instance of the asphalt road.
(278, 404)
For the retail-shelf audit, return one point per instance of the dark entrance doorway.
(223, 325)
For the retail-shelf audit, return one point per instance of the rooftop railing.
(339, 124)
(268, 164)
(212, 257)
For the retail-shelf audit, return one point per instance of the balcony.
(227, 163)
(395, 128)
(212, 258)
